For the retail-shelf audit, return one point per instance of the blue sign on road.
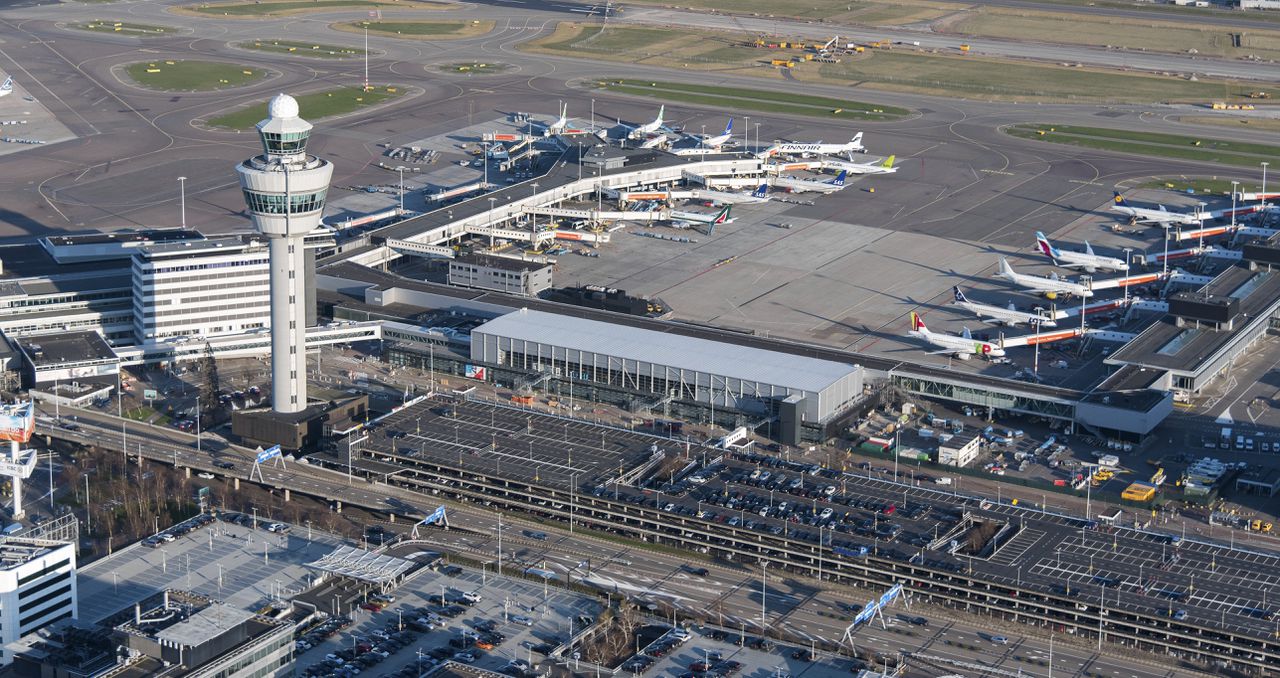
(269, 453)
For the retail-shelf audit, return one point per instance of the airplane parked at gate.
(803, 185)
(884, 167)
(1086, 260)
(761, 194)
(1155, 216)
(720, 139)
(649, 127)
(962, 347)
(997, 315)
(1051, 285)
(692, 218)
(819, 148)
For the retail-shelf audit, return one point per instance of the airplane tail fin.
(960, 298)
(1088, 249)
(839, 180)
(856, 140)
(762, 191)
(723, 216)
(917, 323)
(1045, 246)
(888, 163)
(966, 333)
(728, 129)
(8, 85)
(1119, 199)
(661, 112)
(1005, 268)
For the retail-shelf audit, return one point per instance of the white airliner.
(819, 148)
(691, 218)
(1156, 216)
(7, 88)
(720, 139)
(804, 185)
(996, 315)
(761, 194)
(1086, 260)
(1044, 285)
(559, 124)
(884, 167)
(962, 347)
(649, 127)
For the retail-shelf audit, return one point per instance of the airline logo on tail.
(1048, 249)
(856, 141)
(761, 192)
(7, 86)
(839, 180)
(728, 129)
(960, 298)
(722, 217)
(917, 323)
(888, 163)
(1119, 198)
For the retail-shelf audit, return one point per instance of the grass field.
(990, 78)
(313, 106)
(1199, 185)
(905, 70)
(1149, 143)
(123, 28)
(306, 49)
(474, 68)
(423, 30)
(256, 9)
(756, 100)
(192, 76)
(1153, 35)
(1269, 124)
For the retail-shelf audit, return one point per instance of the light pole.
(1127, 250)
(182, 197)
(1234, 191)
(703, 144)
(491, 224)
(764, 567)
(746, 130)
(401, 171)
(1165, 270)
(1264, 183)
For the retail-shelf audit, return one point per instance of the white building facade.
(37, 586)
(191, 290)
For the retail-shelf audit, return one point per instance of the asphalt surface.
(803, 607)
(133, 143)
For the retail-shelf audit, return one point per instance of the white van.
(472, 596)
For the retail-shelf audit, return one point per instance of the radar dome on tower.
(282, 106)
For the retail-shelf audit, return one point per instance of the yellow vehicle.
(964, 48)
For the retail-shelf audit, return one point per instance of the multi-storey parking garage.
(1154, 592)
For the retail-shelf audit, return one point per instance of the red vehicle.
(889, 510)
(372, 607)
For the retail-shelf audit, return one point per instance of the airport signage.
(476, 372)
(435, 517)
(268, 454)
(17, 422)
(149, 394)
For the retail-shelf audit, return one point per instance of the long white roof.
(671, 350)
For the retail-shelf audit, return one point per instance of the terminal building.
(500, 274)
(665, 366)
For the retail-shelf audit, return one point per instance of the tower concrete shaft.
(285, 189)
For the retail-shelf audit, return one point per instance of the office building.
(500, 274)
(187, 290)
(37, 586)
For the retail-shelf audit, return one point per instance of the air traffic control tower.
(284, 189)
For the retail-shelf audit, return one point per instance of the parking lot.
(496, 623)
(222, 559)
(518, 443)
